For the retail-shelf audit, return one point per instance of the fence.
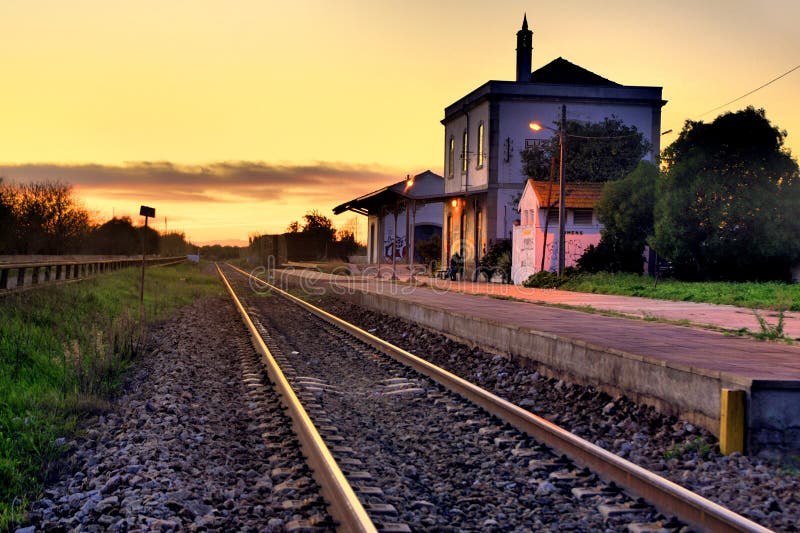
(28, 274)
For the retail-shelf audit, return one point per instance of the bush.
(430, 250)
(545, 279)
(497, 260)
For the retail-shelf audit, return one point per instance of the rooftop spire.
(524, 51)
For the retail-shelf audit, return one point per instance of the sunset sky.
(234, 117)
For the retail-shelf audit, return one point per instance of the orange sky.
(234, 117)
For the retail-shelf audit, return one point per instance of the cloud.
(223, 181)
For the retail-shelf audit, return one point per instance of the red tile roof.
(580, 195)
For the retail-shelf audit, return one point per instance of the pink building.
(535, 238)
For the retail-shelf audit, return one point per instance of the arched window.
(451, 155)
(480, 146)
(464, 151)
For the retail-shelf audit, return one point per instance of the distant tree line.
(46, 218)
(314, 240)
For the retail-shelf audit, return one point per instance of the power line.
(603, 137)
(751, 92)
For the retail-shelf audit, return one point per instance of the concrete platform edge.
(692, 394)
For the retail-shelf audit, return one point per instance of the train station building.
(399, 216)
(486, 130)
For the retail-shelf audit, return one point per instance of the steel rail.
(668, 497)
(343, 504)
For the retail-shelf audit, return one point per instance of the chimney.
(524, 51)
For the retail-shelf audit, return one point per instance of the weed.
(697, 446)
(768, 331)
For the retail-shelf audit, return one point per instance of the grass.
(768, 295)
(63, 352)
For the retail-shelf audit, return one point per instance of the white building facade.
(486, 130)
(535, 234)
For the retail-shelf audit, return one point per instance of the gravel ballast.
(183, 447)
(764, 488)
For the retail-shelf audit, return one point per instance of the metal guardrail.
(26, 274)
(343, 504)
(668, 497)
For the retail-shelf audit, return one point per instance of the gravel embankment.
(187, 446)
(764, 489)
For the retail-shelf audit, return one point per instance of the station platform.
(680, 370)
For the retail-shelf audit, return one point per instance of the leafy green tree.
(728, 205)
(595, 151)
(626, 212)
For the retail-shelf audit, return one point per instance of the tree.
(173, 243)
(6, 219)
(117, 237)
(626, 212)
(430, 250)
(47, 218)
(595, 151)
(346, 244)
(319, 225)
(316, 240)
(728, 203)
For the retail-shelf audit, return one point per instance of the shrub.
(497, 260)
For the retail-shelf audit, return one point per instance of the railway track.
(398, 444)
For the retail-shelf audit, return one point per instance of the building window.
(480, 146)
(552, 217)
(582, 217)
(465, 141)
(451, 154)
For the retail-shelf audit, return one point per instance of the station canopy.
(422, 188)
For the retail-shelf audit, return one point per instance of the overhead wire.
(751, 92)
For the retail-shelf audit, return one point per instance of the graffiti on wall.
(400, 246)
(573, 250)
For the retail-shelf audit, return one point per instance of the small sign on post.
(146, 212)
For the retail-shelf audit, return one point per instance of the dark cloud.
(225, 181)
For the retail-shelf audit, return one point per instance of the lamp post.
(411, 216)
(562, 211)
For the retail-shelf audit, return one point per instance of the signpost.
(146, 212)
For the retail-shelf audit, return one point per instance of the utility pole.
(562, 211)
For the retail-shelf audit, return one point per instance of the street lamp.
(562, 212)
(411, 222)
